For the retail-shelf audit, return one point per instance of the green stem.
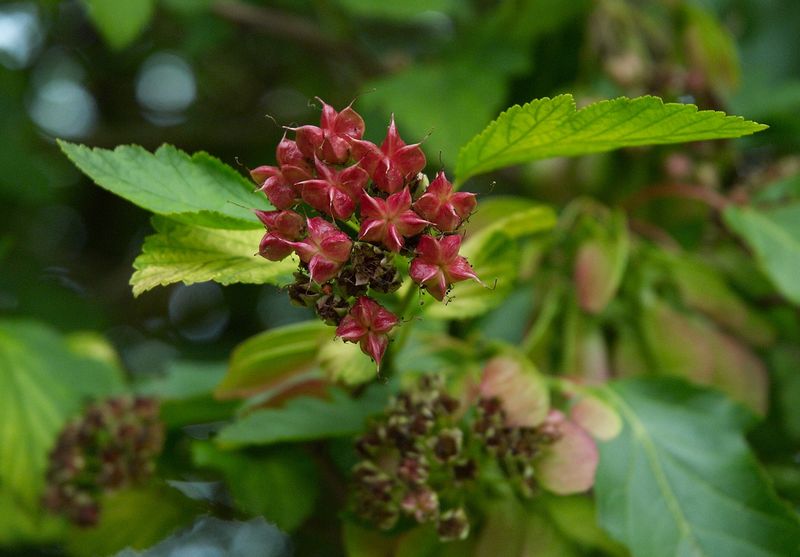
(406, 302)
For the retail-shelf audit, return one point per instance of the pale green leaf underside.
(553, 127)
(196, 190)
(264, 360)
(680, 479)
(179, 252)
(42, 384)
(774, 237)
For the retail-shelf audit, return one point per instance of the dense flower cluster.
(350, 210)
(419, 460)
(111, 446)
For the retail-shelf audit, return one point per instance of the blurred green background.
(224, 76)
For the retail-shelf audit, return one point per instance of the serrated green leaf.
(199, 190)
(281, 486)
(305, 419)
(448, 105)
(119, 21)
(493, 253)
(180, 252)
(42, 385)
(680, 480)
(548, 127)
(266, 359)
(774, 237)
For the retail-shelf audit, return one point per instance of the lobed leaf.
(552, 127)
(186, 253)
(199, 190)
(680, 479)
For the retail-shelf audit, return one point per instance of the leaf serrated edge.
(484, 136)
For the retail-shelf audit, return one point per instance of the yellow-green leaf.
(186, 253)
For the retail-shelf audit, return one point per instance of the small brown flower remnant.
(111, 446)
(431, 454)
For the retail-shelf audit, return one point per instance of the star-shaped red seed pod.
(331, 141)
(389, 221)
(444, 207)
(277, 182)
(282, 227)
(368, 324)
(325, 249)
(333, 192)
(393, 164)
(438, 265)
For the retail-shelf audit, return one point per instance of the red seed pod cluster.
(346, 207)
(112, 445)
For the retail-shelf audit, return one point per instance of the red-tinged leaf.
(568, 465)
(521, 390)
(739, 372)
(690, 347)
(271, 358)
(597, 417)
